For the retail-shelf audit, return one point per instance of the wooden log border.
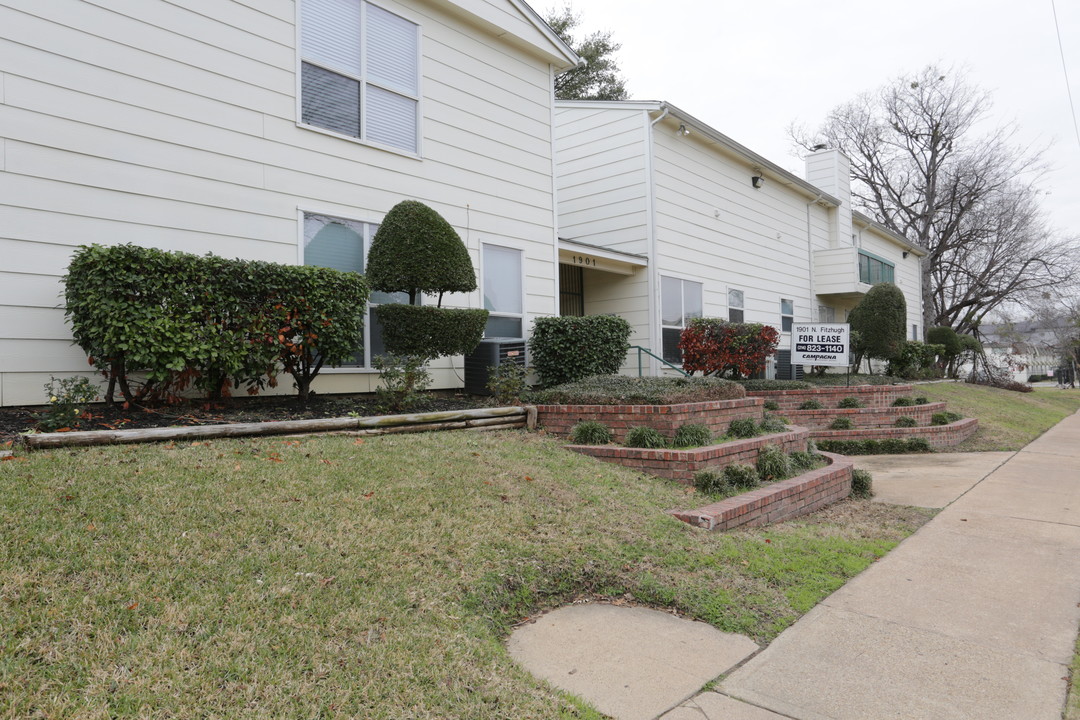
(499, 418)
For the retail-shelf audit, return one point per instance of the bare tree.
(922, 169)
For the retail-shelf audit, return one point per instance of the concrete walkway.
(974, 616)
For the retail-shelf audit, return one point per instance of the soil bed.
(15, 420)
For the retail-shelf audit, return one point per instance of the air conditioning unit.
(784, 369)
(491, 352)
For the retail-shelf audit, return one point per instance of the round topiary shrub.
(773, 463)
(742, 428)
(771, 405)
(905, 421)
(772, 424)
(811, 404)
(905, 401)
(693, 435)
(850, 403)
(645, 437)
(840, 423)
(743, 477)
(590, 432)
(711, 482)
(862, 484)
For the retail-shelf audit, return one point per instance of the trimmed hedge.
(720, 348)
(567, 349)
(888, 446)
(205, 321)
(625, 390)
(427, 331)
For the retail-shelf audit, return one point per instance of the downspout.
(650, 214)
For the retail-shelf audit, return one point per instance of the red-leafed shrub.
(717, 347)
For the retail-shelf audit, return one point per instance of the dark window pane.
(785, 324)
(734, 315)
(671, 351)
(671, 311)
(329, 100)
(506, 327)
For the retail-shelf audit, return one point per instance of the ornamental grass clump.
(905, 401)
(850, 403)
(712, 482)
(742, 477)
(945, 418)
(811, 404)
(645, 437)
(862, 484)
(771, 406)
(772, 424)
(840, 423)
(590, 432)
(905, 422)
(802, 461)
(773, 463)
(692, 435)
(742, 428)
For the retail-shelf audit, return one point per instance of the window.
(826, 314)
(787, 314)
(874, 270)
(503, 296)
(914, 332)
(343, 245)
(680, 300)
(735, 305)
(360, 72)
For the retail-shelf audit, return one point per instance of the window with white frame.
(504, 296)
(680, 300)
(342, 244)
(874, 270)
(914, 332)
(826, 314)
(787, 314)
(360, 72)
(735, 301)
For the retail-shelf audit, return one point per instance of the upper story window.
(360, 72)
(735, 302)
(680, 300)
(787, 314)
(873, 270)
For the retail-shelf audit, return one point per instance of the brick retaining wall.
(716, 414)
(681, 465)
(871, 417)
(778, 501)
(937, 435)
(872, 396)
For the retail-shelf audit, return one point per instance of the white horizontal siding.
(627, 297)
(173, 125)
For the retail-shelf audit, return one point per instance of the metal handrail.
(650, 353)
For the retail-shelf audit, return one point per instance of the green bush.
(879, 323)
(68, 399)
(624, 390)
(404, 379)
(773, 463)
(567, 349)
(771, 406)
(811, 404)
(921, 400)
(742, 428)
(875, 447)
(772, 424)
(430, 332)
(918, 445)
(850, 403)
(590, 432)
(903, 401)
(692, 435)
(743, 477)
(841, 423)
(506, 382)
(905, 421)
(764, 385)
(945, 418)
(645, 437)
(711, 482)
(812, 447)
(916, 360)
(862, 484)
(803, 461)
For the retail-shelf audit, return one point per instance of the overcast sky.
(752, 68)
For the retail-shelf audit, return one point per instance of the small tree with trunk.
(879, 323)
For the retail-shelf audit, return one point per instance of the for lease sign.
(823, 344)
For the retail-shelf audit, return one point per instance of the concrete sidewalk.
(974, 616)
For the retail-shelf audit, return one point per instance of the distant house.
(662, 218)
(278, 130)
(1029, 348)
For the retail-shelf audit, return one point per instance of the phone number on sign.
(811, 348)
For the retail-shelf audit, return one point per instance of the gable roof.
(516, 22)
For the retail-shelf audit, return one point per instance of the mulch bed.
(16, 420)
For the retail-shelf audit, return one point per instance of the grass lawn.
(1007, 420)
(376, 578)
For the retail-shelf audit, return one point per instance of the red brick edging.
(779, 501)
(716, 414)
(937, 435)
(871, 417)
(872, 396)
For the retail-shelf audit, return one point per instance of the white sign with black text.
(820, 344)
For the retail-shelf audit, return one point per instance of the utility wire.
(1065, 70)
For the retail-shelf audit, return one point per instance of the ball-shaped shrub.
(742, 428)
(645, 437)
(862, 484)
(905, 401)
(711, 482)
(921, 400)
(772, 424)
(905, 421)
(692, 435)
(840, 423)
(811, 404)
(849, 403)
(944, 418)
(590, 432)
(742, 477)
(773, 463)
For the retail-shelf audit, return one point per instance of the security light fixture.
(905, 254)
(683, 130)
(757, 181)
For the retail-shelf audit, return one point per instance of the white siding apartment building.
(662, 218)
(279, 130)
